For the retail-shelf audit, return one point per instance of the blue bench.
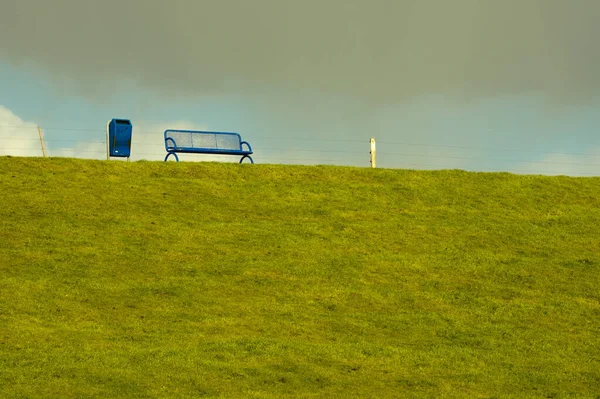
(201, 142)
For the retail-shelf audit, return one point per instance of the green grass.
(166, 280)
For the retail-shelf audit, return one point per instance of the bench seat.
(210, 151)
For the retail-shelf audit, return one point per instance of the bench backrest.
(202, 139)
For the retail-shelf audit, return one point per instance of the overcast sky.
(491, 74)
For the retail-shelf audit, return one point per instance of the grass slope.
(158, 280)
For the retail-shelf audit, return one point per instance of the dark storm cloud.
(381, 51)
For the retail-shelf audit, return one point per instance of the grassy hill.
(165, 280)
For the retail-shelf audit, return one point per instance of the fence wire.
(305, 150)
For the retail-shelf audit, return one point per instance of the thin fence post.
(107, 143)
(373, 154)
(41, 133)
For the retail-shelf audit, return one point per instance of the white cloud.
(585, 164)
(17, 137)
(21, 138)
(93, 150)
(147, 143)
(148, 140)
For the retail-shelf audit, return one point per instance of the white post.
(373, 154)
(107, 143)
(42, 141)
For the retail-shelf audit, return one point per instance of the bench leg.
(171, 153)
(247, 156)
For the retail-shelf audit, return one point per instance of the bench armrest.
(167, 143)
(248, 144)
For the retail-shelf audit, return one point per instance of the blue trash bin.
(119, 137)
